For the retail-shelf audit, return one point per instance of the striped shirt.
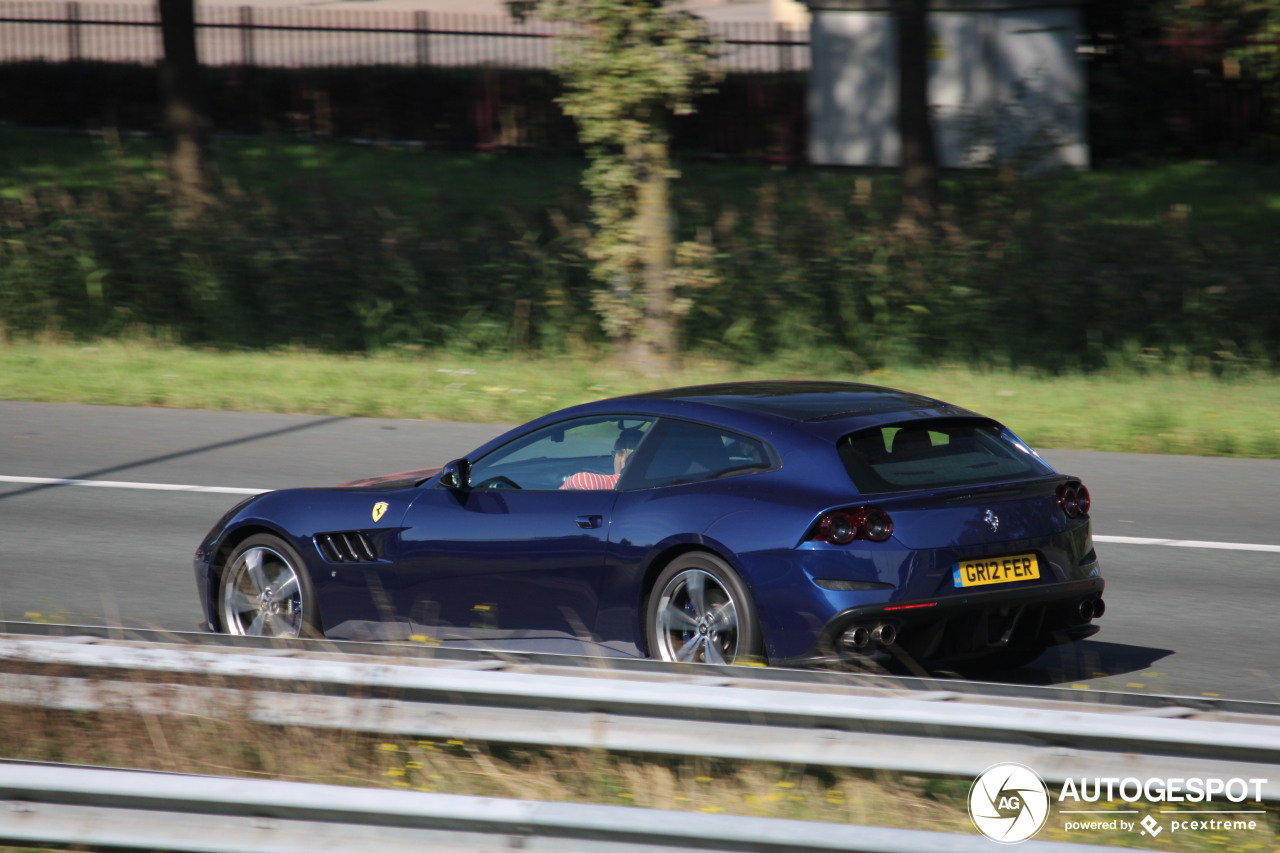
(591, 480)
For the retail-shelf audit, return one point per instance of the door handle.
(590, 522)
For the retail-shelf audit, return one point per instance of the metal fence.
(293, 37)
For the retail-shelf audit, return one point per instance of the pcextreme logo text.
(1009, 803)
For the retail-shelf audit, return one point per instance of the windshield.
(941, 453)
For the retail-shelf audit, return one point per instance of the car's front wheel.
(264, 591)
(700, 612)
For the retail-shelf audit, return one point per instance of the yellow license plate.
(1022, 567)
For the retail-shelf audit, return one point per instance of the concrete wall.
(1006, 82)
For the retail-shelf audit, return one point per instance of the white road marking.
(114, 484)
(1187, 543)
(225, 490)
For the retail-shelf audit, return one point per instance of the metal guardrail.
(104, 808)
(936, 732)
(494, 658)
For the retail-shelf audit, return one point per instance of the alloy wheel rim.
(697, 620)
(263, 597)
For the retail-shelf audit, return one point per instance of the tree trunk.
(920, 194)
(185, 119)
(655, 345)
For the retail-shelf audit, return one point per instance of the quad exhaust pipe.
(884, 635)
(1090, 608)
(856, 638)
(859, 637)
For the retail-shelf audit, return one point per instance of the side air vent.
(351, 547)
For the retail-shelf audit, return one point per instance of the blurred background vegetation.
(1160, 258)
(344, 248)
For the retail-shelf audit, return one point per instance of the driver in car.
(628, 441)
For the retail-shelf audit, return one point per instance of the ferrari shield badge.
(379, 509)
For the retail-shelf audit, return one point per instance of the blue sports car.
(789, 523)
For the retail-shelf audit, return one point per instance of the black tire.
(264, 591)
(699, 611)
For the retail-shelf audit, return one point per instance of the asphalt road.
(1185, 620)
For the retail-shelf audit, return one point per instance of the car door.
(514, 556)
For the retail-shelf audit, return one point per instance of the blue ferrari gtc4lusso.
(790, 523)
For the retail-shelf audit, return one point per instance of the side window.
(550, 458)
(684, 452)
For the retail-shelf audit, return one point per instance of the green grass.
(1143, 412)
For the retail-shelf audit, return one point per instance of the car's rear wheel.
(264, 591)
(699, 611)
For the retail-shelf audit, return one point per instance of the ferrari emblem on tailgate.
(379, 509)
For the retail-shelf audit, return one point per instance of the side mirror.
(456, 475)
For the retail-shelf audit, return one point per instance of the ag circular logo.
(1009, 803)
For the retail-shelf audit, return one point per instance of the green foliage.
(1178, 78)
(1256, 55)
(306, 264)
(347, 249)
(1026, 277)
(623, 61)
(626, 66)
(1250, 32)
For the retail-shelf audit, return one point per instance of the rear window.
(941, 453)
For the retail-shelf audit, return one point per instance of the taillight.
(877, 525)
(845, 525)
(838, 528)
(1074, 499)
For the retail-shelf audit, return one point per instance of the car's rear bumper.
(961, 626)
